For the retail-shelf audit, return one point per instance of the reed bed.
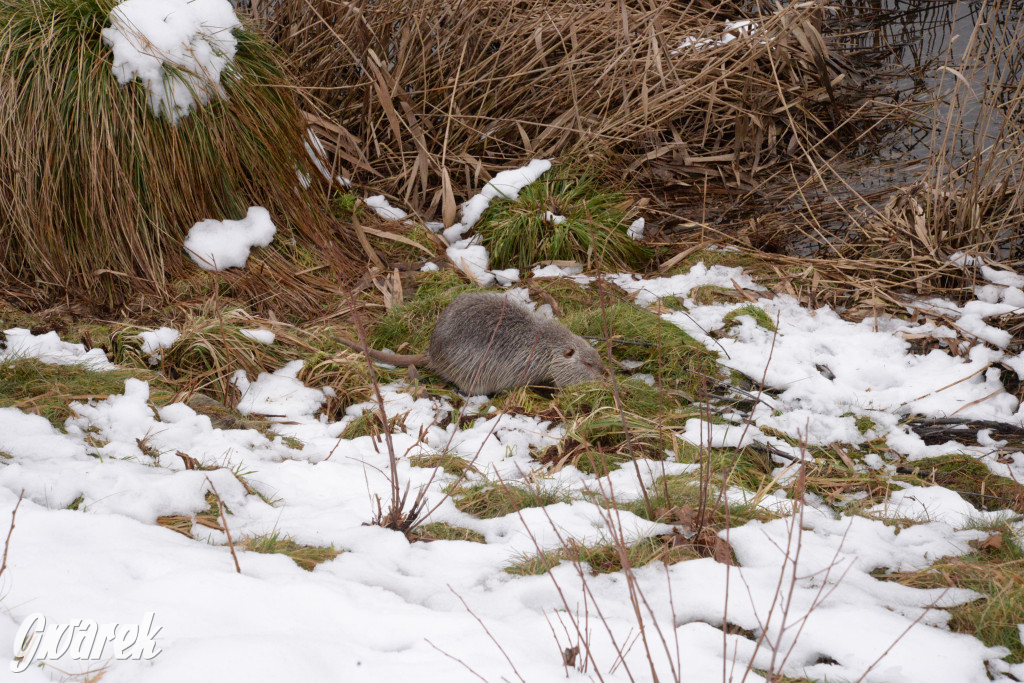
(426, 99)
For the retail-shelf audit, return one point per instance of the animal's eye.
(569, 353)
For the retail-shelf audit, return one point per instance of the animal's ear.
(570, 352)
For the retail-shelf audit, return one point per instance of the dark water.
(958, 64)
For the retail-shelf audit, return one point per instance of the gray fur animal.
(485, 342)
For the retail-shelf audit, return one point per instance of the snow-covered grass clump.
(506, 184)
(218, 245)
(179, 50)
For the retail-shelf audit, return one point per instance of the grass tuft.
(451, 464)
(755, 312)
(439, 531)
(100, 192)
(306, 556)
(602, 558)
(486, 501)
(517, 234)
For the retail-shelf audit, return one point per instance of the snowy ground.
(387, 609)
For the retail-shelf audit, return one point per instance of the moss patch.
(663, 348)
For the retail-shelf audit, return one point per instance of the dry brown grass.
(97, 194)
(425, 98)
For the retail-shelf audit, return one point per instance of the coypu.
(485, 342)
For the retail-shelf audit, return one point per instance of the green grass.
(406, 328)
(599, 463)
(636, 397)
(345, 204)
(571, 297)
(755, 312)
(602, 431)
(602, 558)
(666, 350)
(486, 501)
(439, 531)
(47, 390)
(306, 556)
(594, 233)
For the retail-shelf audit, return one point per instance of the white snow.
(824, 371)
(732, 31)
(155, 341)
(384, 209)
(507, 276)
(556, 271)
(379, 609)
(277, 394)
(650, 291)
(636, 229)
(20, 343)
(472, 258)
(386, 609)
(939, 504)
(179, 49)
(260, 334)
(219, 245)
(507, 184)
(553, 218)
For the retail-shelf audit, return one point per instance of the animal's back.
(484, 342)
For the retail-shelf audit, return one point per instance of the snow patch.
(219, 245)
